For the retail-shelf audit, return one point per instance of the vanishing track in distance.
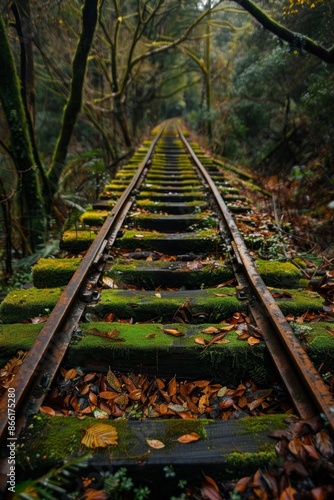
(172, 206)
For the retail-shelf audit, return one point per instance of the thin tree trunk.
(33, 213)
(73, 105)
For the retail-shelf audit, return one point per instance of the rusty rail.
(43, 359)
(299, 375)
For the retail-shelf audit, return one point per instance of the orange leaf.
(155, 443)
(200, 341)
(100, 436)
(47, 410)
(172, 387)
(108, 395)
(70, 374)
(253, 341)
(173, 331)
(189, 438)
(288, 494)
(210, 330)
(113, 381)
(135, 395)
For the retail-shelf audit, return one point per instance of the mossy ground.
(158, 352)
(22, 305)
(279, 274)
(197, 242)
(173, 274)
(149, 306)
(94, 217)
(51, 273)
(77, 240)
(51, 441)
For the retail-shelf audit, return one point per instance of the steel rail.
(32, 369)
(311, 380)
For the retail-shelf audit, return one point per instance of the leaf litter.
(115, 395)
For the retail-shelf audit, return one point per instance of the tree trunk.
(21, 11)
(73, 105)
(33, 214)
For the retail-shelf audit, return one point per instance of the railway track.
(155, 318)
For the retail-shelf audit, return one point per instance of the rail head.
(30, 369)
(313, 382)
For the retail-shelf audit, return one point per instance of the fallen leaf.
(70, 374)
(253, 340)
(47, 410)
(200, 341)
(183, 314)
(209, 489)
(100, 436)
(155, 443)
(110, 317)
(93, 494)
(210, 330)
(150, 336)
(189, 438)
(109, 282)
(288, 494)
(324, 444)
(173, 331)
(113, 381)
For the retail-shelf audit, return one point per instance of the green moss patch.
(51, 273)
(297, 302)
(170, 207)
(198, 242)
(51, 441)
(94, 217)
(192, 195)
(170, 274)
(77, 240)
(22, 305)
(162, 306)
(147, 347)
(16, 337)
(279, 274)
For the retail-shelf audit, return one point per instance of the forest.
(83, 82)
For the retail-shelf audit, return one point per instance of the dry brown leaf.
(135, 395)
(108, 395)
(209, 489)
(210, 330)
(200, 341)
(155, 443)
(226, 328)
(253, 341)
(189, 438)
(172, 387)
(221, 393)
(113, 381)
(150, 336)
(70, 374)
(288, 494)
(295, 445)
(329, 330)
(173, 331)
(110, 317)
(47, 410)
(242, 485)
(324, 444)
(100, 436)
(93, 494)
